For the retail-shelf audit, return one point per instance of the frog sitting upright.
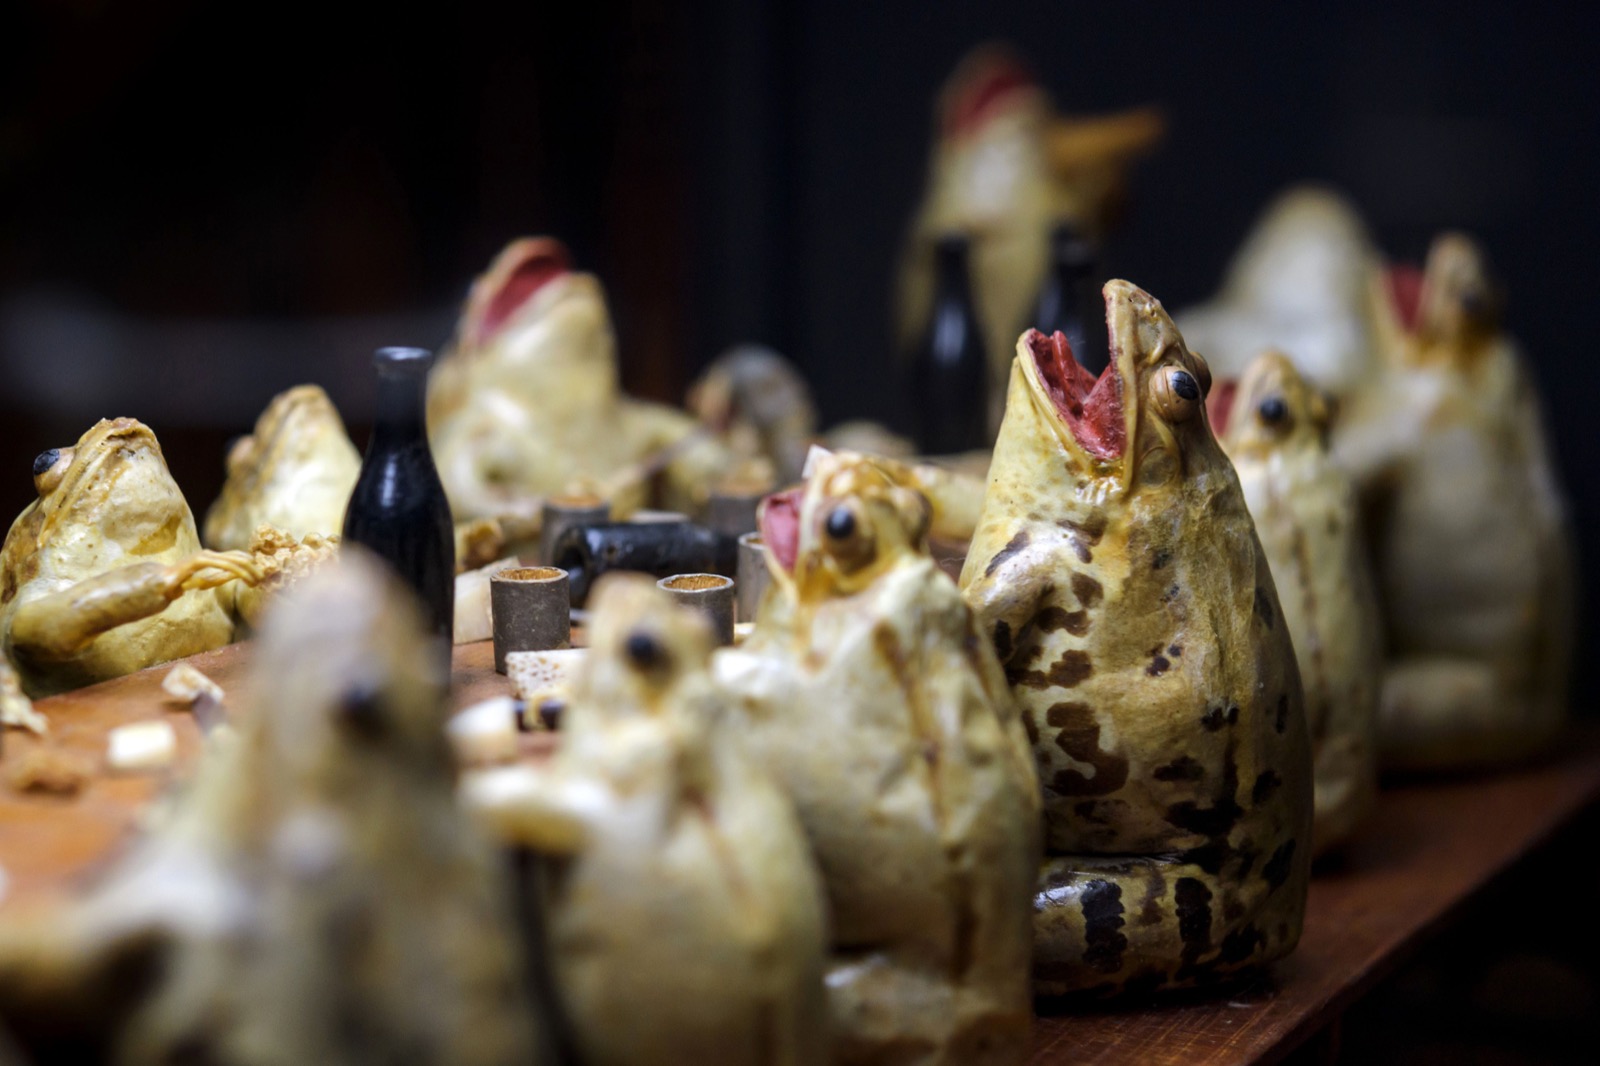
(685, 922)
(103, 574)
(1118, 573)
(315, 896)
(1275, 429)
(1472, 548)
(293, 473)
(871, 697)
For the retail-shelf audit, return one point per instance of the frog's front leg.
(1451, 712)
(61, 624)
(528, 808)
(1006, 590)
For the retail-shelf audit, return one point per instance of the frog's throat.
(1090, 409)
(515, 278)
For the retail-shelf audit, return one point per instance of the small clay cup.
(754, 577)
(531, 610)
(711, 594)
(731, 508)
(561, 513)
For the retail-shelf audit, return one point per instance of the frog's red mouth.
(986, 95)
(1219, 404)
(1090, 408)
(542, 262)
(1405, 292)
(780, 526)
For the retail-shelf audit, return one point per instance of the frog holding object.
(103, 574)
(1275, 429)
(685, 920)
(1472, 547)
(1117, 570)
(294, 473)
(881, 710)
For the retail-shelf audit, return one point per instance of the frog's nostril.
(45, 460)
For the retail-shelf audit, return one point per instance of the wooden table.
(1430, 850)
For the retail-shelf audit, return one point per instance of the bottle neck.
(402, 403)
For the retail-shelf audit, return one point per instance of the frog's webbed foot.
(1443, 712)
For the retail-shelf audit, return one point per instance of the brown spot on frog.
(868, 694)
(1306, 517)
(1176, 750)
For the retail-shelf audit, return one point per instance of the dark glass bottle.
(1069, 300)
(949, 372)
(398, 509)
(661, 549)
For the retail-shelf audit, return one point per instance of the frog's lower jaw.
(1454, 713)
(1112, 925)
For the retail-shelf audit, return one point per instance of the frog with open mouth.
(103, 573)
(526, 403)
(1275, 429)
(1117, 570)
(1471, 542)
(868, 693)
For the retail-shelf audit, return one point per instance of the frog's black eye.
(841, 524)
(1177, 394)
(49, 468)
(45, 460)
(1184, 384)
(1273, 410)
(361, 713)
(644, 651)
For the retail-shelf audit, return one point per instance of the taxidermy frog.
(527, 402)
(882, 711)
(1303, 282)
(1005, 170)
(1118, 573)
(103, 574)
(685, 921)
(293, 473)
(1307, 518)
(315, 896)
(1471, 543)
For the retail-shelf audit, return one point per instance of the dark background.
(203, 204)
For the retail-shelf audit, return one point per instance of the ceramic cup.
(754, 577)
(711, 594)
(531, 610)
(731, 508)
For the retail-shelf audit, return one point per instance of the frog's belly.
(1153, 756)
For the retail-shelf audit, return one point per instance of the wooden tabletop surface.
(1430, 848)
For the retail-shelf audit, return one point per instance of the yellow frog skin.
(527, 403)
(1309, 523)
(685, 919)
(294, 473)
(881, 710)
(316, 896)
(103, 574)
(1117, 570)
(1472, 549)
(1005, 170)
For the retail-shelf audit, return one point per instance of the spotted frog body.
(1307, 518)
(103, 573)
(294, 472)
(869, 694)
(1117, 570)
(1472, 544)
(684, 914)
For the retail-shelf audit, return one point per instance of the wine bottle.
(660, 549)
(949, 372)
(1069, 300)
(398, 509)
